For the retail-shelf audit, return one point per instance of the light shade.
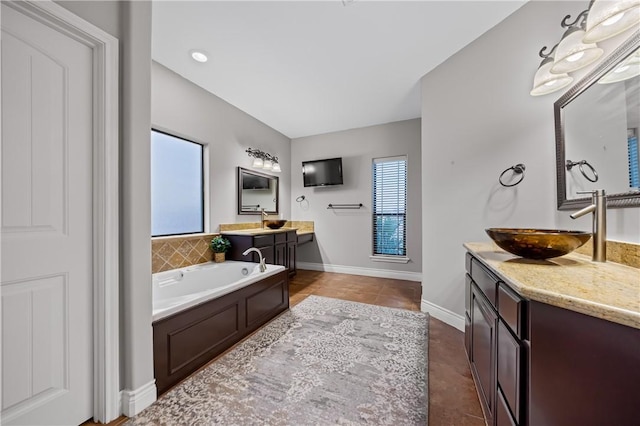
(609, 18)
(258, 163)
(544, 82)
(572, 54)
(625, 70)
(276, 167)
(267, 165)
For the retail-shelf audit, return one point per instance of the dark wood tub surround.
(541, 365)
(187, 340)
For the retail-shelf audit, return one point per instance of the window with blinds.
(390, 206)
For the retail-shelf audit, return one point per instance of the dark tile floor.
(452, 395)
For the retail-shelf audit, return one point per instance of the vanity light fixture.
(263, 160)
(544, 82)
(625, 70)
(198, 56)
(609, 18)
(572, 53)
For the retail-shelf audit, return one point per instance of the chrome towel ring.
(580, 164)
(518, 169)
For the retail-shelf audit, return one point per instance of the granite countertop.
(610, 291)
(263, 231)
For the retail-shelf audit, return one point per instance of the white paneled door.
(46, 224)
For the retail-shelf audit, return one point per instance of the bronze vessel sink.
(275, 223)
(537, 243)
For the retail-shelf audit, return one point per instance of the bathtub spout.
(263, 266)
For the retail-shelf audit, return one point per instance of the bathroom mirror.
(257, 191)
(597, 123)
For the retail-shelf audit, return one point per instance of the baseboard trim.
(134, 401)
(444, 315)
(356, 270)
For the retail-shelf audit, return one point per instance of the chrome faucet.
(263, 266)
(599, 210)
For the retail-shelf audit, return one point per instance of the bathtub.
(200, 311)
(180, 289)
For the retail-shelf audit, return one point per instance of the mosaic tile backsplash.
(177, 252)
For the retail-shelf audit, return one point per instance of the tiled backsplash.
(177, 252)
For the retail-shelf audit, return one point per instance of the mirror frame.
(627, 199)
(239, 185)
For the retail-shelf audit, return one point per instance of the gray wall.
(343, 237)
(130, 22)
(478, 119)
(185, 109)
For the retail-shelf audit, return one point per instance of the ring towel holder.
(581, 165)
(518, 169)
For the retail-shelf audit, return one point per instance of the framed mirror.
(597, 126)
(257, 191)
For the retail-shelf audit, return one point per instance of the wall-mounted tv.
(322, 172)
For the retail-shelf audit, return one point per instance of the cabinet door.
(292, 248)
(483, 361)
(509, 369)
(268, 253)
(281, 254)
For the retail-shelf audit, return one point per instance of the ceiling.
(306, 68)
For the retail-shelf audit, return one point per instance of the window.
(177, 195)
(634, 162)
(390, 207)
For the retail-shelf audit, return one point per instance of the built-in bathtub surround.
(180, 251)
(603, 290)
(302, 226)
(618, 252)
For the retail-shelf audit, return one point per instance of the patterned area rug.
(324, 362)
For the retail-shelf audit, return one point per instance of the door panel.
(47, 246)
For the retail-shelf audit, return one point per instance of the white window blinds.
(390, 206)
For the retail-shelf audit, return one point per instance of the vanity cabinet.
(277, 248)
(494, 342)
(538, 364)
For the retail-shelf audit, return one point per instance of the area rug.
(324, 362)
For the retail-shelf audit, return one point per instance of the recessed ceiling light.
(198, 56)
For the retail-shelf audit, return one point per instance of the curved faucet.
(263, 266)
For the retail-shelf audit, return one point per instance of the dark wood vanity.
(538, 364)
(278, 248)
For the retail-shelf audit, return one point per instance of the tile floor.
(452, 395)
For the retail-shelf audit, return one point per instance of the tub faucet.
(263, 266)
(599, 209)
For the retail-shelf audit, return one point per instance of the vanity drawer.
(484, 280)
(467, 262)
(280, 238)
(263, 240)
(511, 308)
(509, 369)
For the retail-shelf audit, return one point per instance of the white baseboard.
(356, 270)
(444, 315)
(134, 401)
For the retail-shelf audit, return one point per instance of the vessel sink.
(275, 223)
(538, 243)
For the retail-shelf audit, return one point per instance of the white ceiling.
(306, 68)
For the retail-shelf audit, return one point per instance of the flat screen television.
(322, 172)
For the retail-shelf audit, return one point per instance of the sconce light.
(625, 70)
(544, 82)
(263, 160)
(577, 49)
(572, 53)
(609, 18)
